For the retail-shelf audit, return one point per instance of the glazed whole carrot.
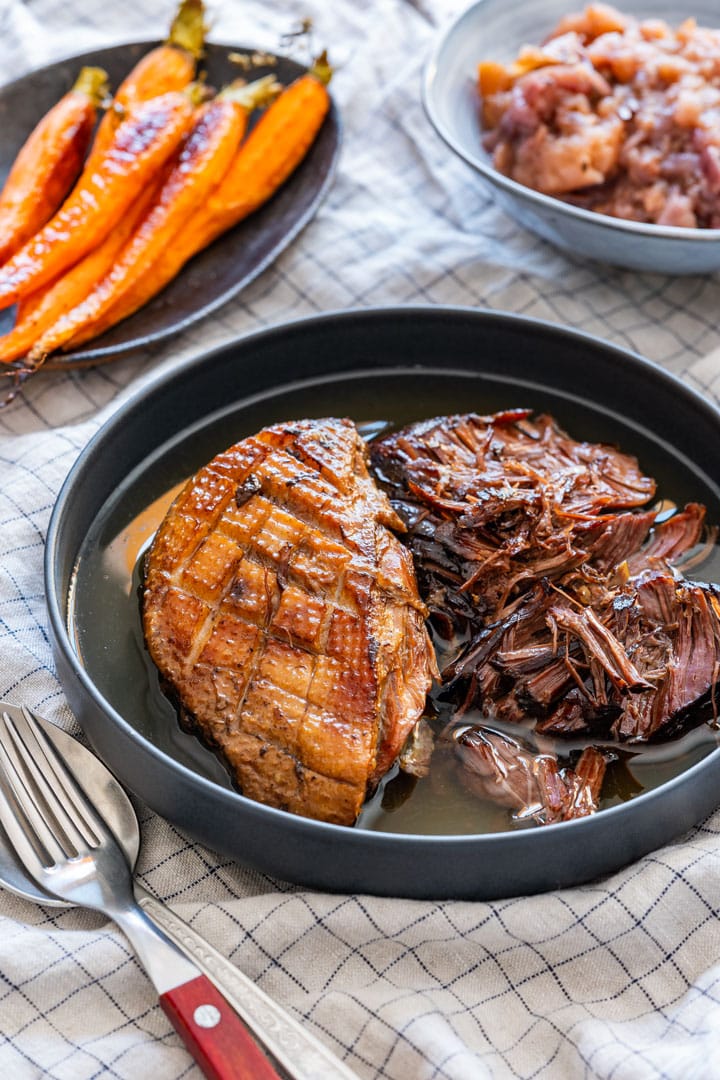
(275, 147)
(272, 151)
(49, 162)
(168, 67)
(171, 66)
(43, 308)
(199, 167)
(140, 147)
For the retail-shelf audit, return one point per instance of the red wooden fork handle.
(214, 1033)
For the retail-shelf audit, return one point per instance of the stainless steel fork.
(70, 852)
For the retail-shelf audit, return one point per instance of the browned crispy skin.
(285, 616)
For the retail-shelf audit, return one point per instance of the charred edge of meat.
(250, 486)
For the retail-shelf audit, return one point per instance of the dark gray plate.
(396, 364)
(235, 259)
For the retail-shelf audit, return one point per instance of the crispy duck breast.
(285, 618)
(562, 595)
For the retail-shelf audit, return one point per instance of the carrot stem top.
(188, 28)
(321, 68)
(255, 94)
(93, 81)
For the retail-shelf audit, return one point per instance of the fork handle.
(212, 1031)
(214, 1034)
(291, 1045)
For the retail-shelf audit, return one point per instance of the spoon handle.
(298, 1051)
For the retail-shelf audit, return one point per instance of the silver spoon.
(302, 1055)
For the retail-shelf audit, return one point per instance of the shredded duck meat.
(536, 556)
(533, 786)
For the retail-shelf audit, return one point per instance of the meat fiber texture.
(285, 618)
(497, 767)
(535, 549)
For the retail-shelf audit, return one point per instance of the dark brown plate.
(400, 365)
(220, 272)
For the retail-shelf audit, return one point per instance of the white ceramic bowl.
(495, 30)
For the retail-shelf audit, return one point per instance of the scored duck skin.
(534, 547)
(285, 617)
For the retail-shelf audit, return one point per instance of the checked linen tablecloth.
(618, 979)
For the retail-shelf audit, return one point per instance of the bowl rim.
(229, 798)
(547, 203)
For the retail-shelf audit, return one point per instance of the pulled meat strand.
(535, 549)
(533, 786)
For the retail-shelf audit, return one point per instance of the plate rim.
(360, 838)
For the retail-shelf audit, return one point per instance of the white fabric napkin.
(619, 978)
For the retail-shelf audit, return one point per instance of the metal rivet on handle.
(206, 1016)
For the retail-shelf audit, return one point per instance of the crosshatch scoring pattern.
(619, 979)
(267, 587)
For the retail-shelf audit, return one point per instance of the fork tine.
(15, 796)
(33, 762)
(68, 794)
(55, 786)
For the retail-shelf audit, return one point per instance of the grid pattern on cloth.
(619, 979)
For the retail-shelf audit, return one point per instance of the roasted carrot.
(274, 148)
(39, 311)
(171, 66)
(198, 169)
(49, 162)
(142, 144)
